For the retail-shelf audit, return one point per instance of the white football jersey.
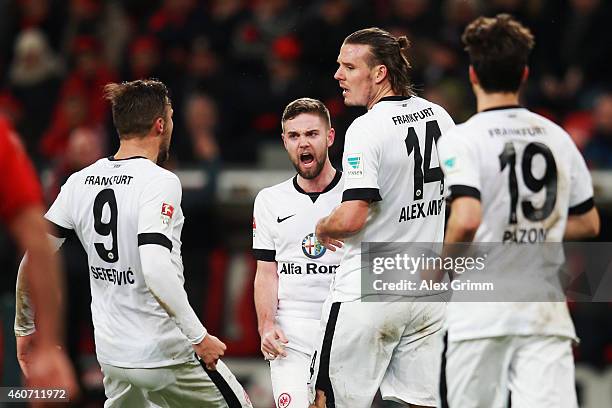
(529, 176)
(284, 221)
(390, 157)
(114, 206)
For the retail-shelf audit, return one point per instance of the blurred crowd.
(232, 66)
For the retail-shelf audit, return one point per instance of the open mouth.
(306, 158)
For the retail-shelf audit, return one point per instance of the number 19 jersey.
(529, 176)
(114, 206)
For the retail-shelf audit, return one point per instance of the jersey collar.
(314, 196)
(394, 98)
(112, 158)
(502, 108)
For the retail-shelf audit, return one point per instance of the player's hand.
(46, 366)
(273, 342)
(328, 242)
(319, 401)
(210, 350)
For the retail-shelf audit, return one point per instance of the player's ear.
(159, 125)
(473, 77)
(380, 74)
(331, 136)
(525, 74)
(284, 140)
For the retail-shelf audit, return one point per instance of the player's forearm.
(168, 290)
(38, 279)
(342, 222)
(24, 314)
(266, 298)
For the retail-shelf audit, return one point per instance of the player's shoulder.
(272, 193)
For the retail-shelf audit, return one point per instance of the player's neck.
(319, 183)
(138, 147)
(384, 91)
(496, 100)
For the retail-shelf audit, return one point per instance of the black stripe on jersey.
(224, 388)
(443, 387)
(582, 208)
(268, 255)
(154, 238)
(366, 194)
(464, 191)
(323, 381)
(58, 231)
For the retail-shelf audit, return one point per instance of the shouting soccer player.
(511, 172)
(126, 212)
(394, 345)
(294, 270)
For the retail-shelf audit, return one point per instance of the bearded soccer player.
(294, 270)
(512, 174)
(126, 212)
(390, 164)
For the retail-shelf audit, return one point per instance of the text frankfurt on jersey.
(421, 210)
(108, 180)
(413, 117)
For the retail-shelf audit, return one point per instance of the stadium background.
(231, 66)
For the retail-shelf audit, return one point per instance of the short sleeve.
(19, 186)
(160, 202)
(581, 188)
(59, 213)
(459, 163)
(263, 242)
(360, 164)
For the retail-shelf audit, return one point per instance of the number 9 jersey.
(114, 206)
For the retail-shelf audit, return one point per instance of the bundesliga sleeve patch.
(354, 165)
(167, 211)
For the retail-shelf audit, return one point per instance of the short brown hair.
(306, 105)
(499, 48)
(136, 105)
(387, 50)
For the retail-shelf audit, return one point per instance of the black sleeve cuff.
(582, 208)
(268, 255)
(464, 191)
(365, 194)
(59, 231)
(154, 238)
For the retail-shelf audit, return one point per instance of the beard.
(162, 155)
(312, 172)
(164, 150)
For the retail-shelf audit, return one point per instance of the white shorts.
(290, 374)
(531, 371)
(290, 379)
(394, 346)
(183, 385)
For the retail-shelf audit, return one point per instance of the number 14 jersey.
(390, 158)
(114, 206)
